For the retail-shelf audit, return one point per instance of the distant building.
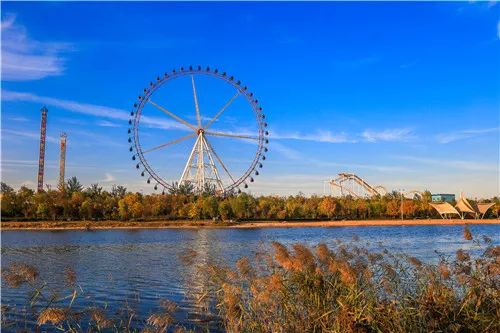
(443, 197)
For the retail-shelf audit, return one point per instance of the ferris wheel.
(188, 144)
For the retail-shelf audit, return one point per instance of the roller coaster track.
(411, 194)
(351, 184)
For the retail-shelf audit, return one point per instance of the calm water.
(143, 266)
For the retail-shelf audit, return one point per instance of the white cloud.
(108, 178)
(90, 109)
(464, 134)
(330, 137)
(106, 123)
(319, 136)
(397, 134)
(26, 59)
(20, 119)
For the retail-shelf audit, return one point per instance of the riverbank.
(105, 225)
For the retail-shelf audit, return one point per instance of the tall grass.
(341, 288)
(350, 289)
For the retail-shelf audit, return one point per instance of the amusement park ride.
(204, 166)
(353, 185)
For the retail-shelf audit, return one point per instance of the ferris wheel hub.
(200, 131)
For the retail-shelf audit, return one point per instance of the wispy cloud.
(319, 136)
(454, 164)
(464, 134)
(26, 134)
(356, 166)
(285, 151)
(107, 123)
(26, 59)
(498, 29)
(49, 164)
(19, 119)
(90, 109)
(388, 135)
(92, 137)
(20, 163)
(108, 178)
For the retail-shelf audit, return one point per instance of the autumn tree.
(327, 207)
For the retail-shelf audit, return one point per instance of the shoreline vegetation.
(210, 224)
(342, 287)
(74, 206)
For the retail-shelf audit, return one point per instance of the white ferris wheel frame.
(202, 147)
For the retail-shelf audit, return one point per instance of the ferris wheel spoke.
(231, 100)
(179, 119)
(198, 117)
(169, 143)
(231, 135)
(220, 160)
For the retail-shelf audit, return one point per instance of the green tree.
(73, 185)
(4, 188)
(186, 188)
(210, 207)
(24, 199)
(243, 206)
(94, 191)
(118, 191)
(225, 210)
(9, 203)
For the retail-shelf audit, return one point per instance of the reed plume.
(54, 316)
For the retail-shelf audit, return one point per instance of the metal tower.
(41, 160)
(204, 170)
(62, 160)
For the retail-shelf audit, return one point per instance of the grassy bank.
(186, 224)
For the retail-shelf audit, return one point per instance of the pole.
(62, 161)
(41, 159)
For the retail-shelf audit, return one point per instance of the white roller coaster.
(351, 184)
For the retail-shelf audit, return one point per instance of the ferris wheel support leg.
(187, 168)
(200, 170)
(214, 169)
(220, 161)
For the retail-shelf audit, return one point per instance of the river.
(141, 267)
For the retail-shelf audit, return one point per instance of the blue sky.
(406, 95)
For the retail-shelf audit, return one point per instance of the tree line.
(74, 202)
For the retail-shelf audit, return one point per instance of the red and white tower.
(41, 160)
